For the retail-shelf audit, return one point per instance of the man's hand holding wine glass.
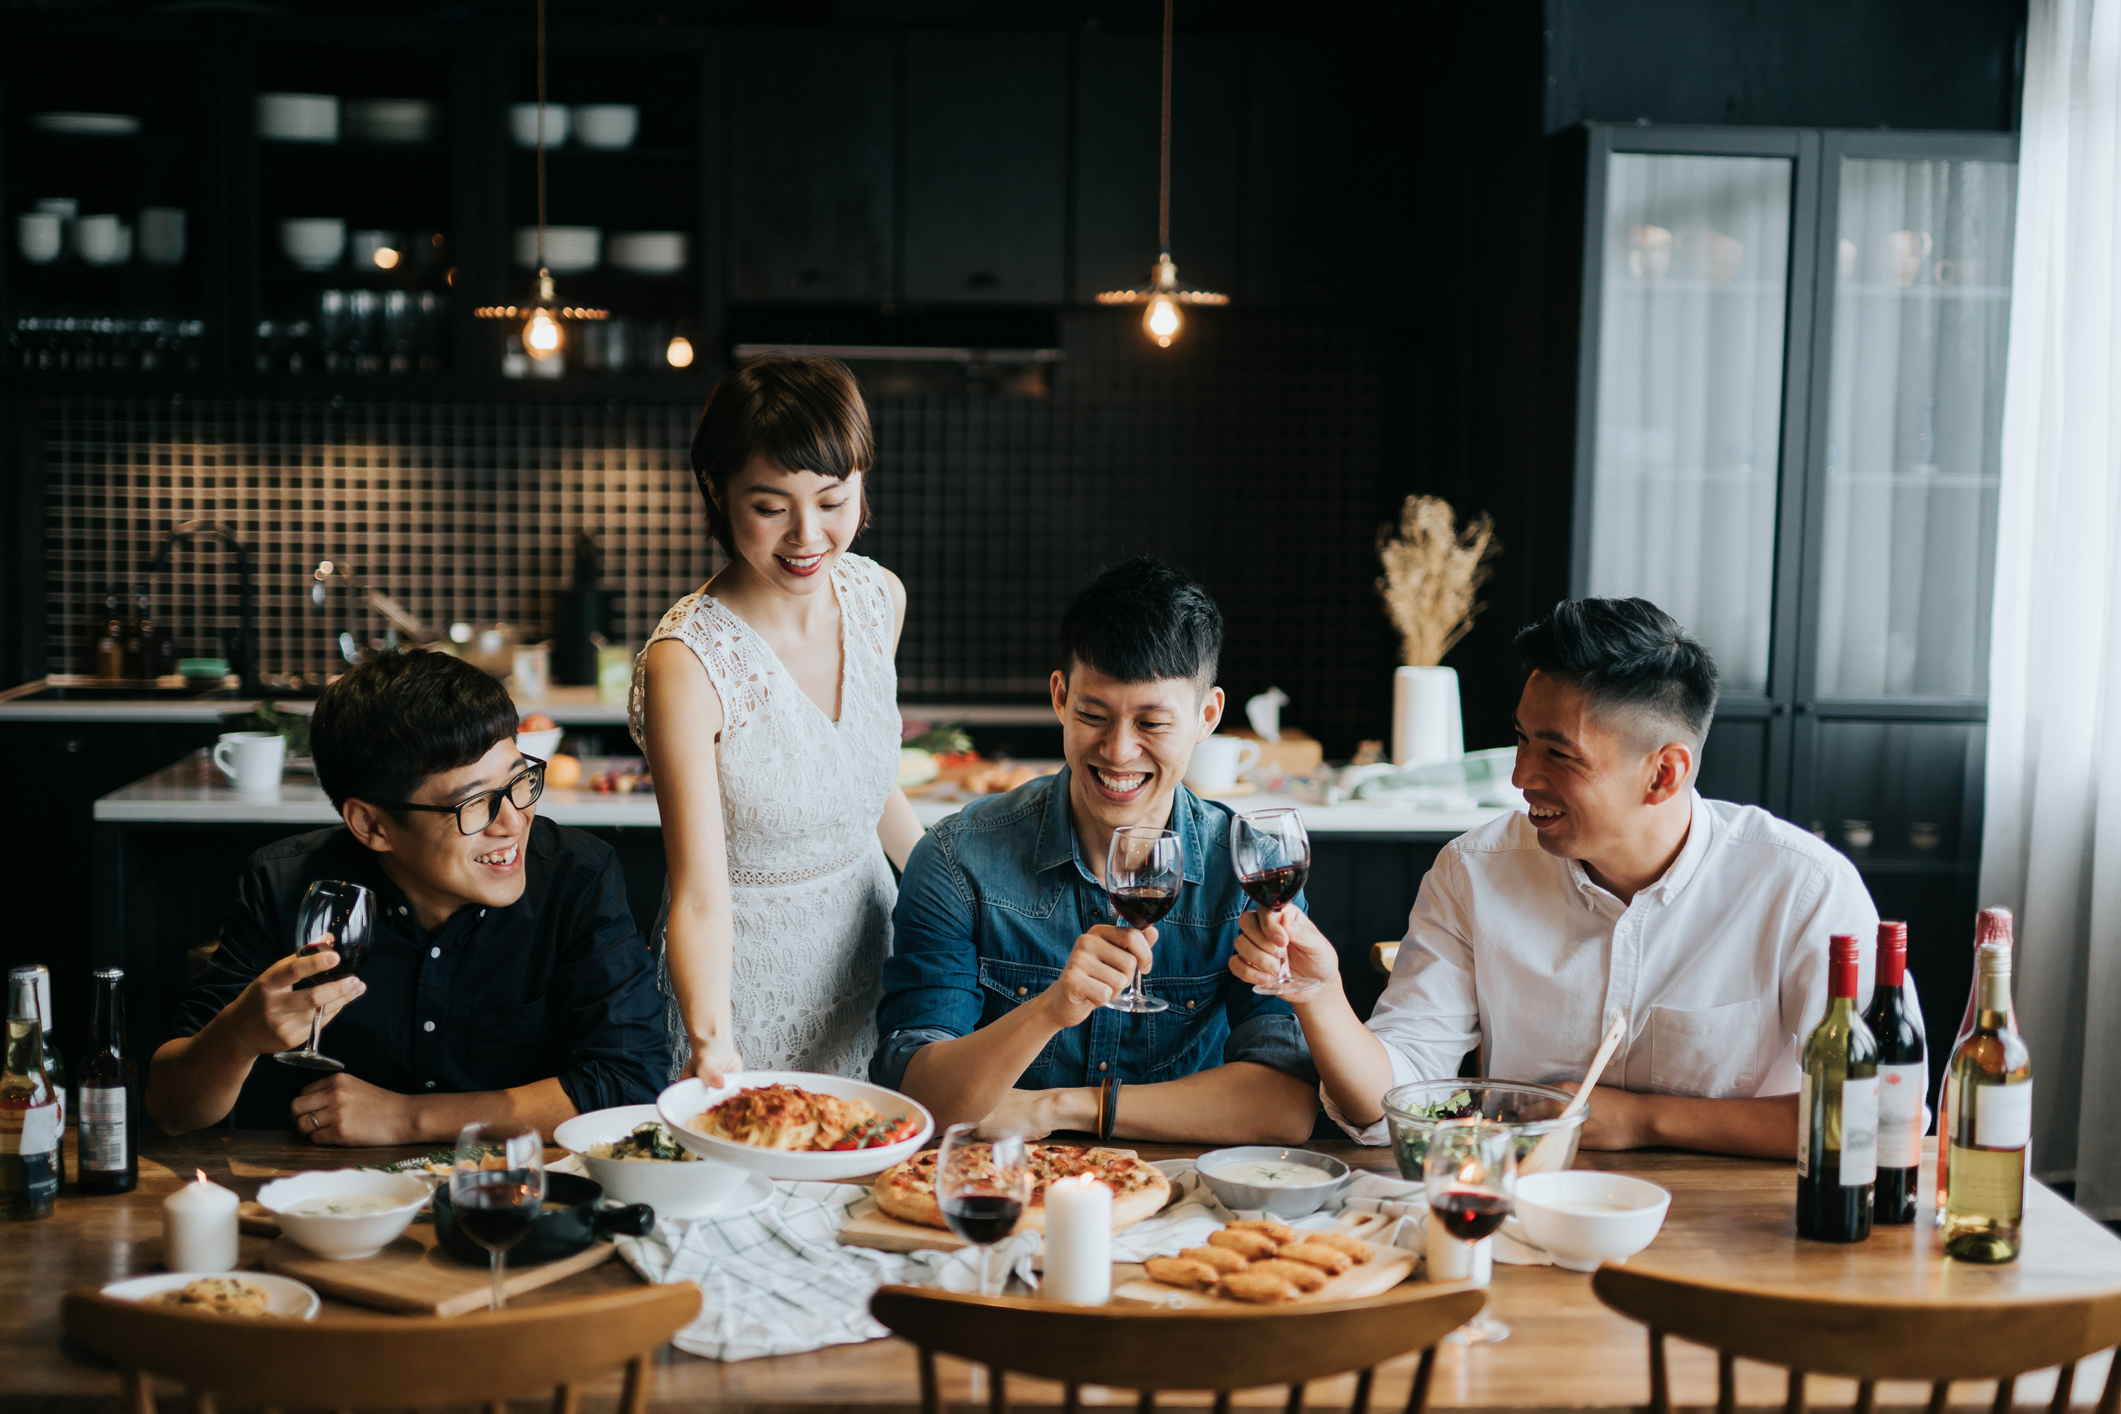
(276, 1016)
(1264, 938)
(1099, 965)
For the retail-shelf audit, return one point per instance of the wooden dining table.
(1730, 1220)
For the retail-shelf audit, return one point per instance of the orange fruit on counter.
(563, 772)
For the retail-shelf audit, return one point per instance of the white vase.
(1426, 723)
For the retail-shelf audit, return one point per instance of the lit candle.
(1078, 1242)
(199, 1228)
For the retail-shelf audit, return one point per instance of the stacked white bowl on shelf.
(86, 124)
(609, 127)
(523, 123)
(400, 122)
(568, 249)
(313, 243)
(648, 252)
(298, 117)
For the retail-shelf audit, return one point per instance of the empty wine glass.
(342, 917)
(1470, 1171)
(1271, 851)
(497, 1189)
(983, 1184)
(1143, 871)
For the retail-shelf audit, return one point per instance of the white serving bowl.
(684, 1101)
(610, 126)
(542, 744)
(675, 1189)
(358, 1235)
(648, 252)
(568, 249)
(1583, 1218)
(298, 117)
(523, 122)
(313, 242)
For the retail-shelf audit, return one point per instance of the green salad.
(1412, 1144)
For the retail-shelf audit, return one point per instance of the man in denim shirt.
(1004, 948)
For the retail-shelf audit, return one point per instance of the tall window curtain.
(2051, 846)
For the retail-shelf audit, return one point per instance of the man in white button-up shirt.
(1619, 891)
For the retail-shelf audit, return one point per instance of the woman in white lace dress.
(768, 706)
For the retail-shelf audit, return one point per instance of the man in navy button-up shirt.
(1004, 947)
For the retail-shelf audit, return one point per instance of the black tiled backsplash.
(1252, 454)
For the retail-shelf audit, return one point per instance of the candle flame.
(201, 1175)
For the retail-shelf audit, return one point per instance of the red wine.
(351, 956)
(1271, 888)
(1469, 1214)
(982, 1217)
(1903, 1081)
(498, 1209)
(1144, 905)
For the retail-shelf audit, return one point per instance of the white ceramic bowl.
(542, 744)
(285, 1297)
(648, 252)
(298, 117)
(1279, 1201)
(523, 123)
(1584, 1218)
(568, 249)
(686, 1100)
(313, 242)
(357, 1235)
(675, 1189)
(609, 126)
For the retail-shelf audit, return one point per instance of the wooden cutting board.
(1390, 1267)
(415, 1276)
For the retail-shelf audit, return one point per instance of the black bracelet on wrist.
(1108, 1109)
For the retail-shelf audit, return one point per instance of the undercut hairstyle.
(384, 726)
(1143, 621)
(802, 414)
(1631, 659)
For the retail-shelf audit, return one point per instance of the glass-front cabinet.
(1788, 428)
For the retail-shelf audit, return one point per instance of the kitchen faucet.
(244, 656)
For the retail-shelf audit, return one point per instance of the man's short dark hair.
(384, 726)
(1628, 656)
(1143, 621)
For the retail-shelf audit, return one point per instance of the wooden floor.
(1730, 1219)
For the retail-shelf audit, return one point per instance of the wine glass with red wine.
(342, 917)
(497, 1189)
(1271, 851)
(1143, 869)
(983, 1185)
(1470, 1170)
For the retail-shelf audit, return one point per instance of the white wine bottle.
(1991, 925)
(1837, 1111)
(1990, 1124)
(29, 1114)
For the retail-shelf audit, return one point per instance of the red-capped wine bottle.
(1837, 1111)
(1903, 1081)
(1991, 925)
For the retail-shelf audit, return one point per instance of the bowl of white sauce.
(345, 1213)
(1286, 1183)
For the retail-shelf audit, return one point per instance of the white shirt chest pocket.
(1718, 1052)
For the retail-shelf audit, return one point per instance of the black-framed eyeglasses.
(477, 813)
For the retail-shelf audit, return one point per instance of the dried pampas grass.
(1432, 572)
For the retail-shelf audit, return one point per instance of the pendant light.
(1163, 295)
(542, 312)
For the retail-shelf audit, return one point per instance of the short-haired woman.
(768, 706)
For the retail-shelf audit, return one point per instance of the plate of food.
(634, 1155)
(794, 1124)
(242, 1295)
(1263, 1262)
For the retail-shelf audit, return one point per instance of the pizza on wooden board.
(907, 1191)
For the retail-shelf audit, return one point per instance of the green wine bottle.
(1837, 1111)
(1990, 1124)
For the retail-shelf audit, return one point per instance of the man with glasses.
(505, 981)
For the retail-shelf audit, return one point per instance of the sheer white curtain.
(2051, 846)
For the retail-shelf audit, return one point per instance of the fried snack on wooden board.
(1181, 1271)
(1304, 1278)
(1316, 1254)
(1355, 1247)
(1220, 1258)
(1261, 1290)
(1248, 1245)
(1280, 1232)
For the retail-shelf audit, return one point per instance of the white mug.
(252, 760)
(100, 240)
(1219, 761)
(39, 235)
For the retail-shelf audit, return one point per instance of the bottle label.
(1804, 1125)
(27, 1129)
(103, 1129)
(1900, 1093)
(1859, 1132)
(2003, 1115)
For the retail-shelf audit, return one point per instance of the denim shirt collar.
(1058, 845)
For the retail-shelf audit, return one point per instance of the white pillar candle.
(199, 1228)
(1078, 1242)
(1454, 1259)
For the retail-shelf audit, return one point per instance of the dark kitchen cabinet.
(812, 142)
(986, 140)
(1116, 125)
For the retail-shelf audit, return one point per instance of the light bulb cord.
(541, 128)
(1163, 193)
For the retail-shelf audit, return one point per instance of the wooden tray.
(414, 1275)
(1390, 1267)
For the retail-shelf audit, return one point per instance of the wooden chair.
(399, 1361)
(1149, 1350)
(1867, 1339)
